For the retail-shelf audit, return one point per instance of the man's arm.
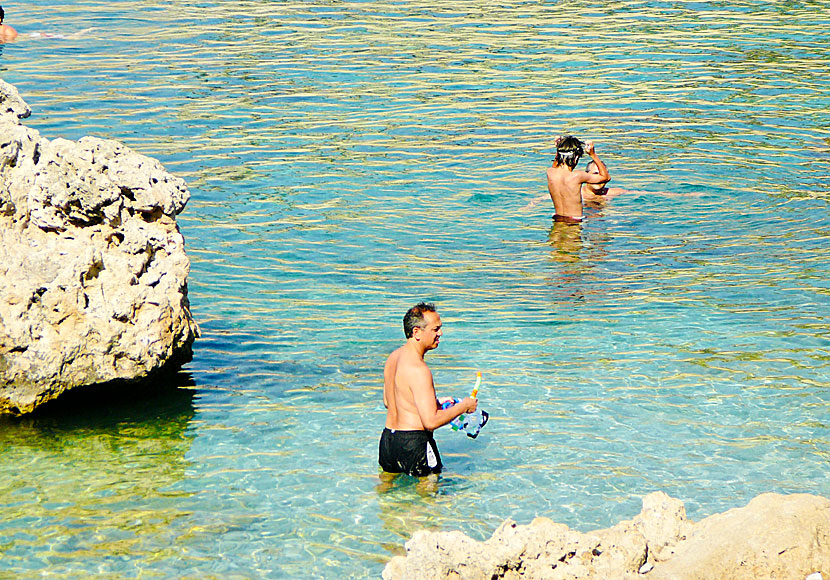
(603, 176)
(423, 390)
(389, 383)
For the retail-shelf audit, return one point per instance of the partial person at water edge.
(7, 33)
(413, 411)
(565, 181)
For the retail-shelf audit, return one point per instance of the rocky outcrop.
(774, 537)
(92, 263)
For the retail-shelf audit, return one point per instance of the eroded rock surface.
(775, 536)
(92, 263)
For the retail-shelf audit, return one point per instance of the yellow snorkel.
(474, 394)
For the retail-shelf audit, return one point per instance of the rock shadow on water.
(107, 428)
(166, 398)
(90, 488)
(136, 438)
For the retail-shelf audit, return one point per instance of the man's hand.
(589, 147)
(470, 404)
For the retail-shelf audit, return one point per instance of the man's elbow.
(431, 424)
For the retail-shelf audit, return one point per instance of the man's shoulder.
(410, 360)
(403, 357)
(412, 370)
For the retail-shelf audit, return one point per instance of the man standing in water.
(7, 33)
(412, 410)
(565, 182)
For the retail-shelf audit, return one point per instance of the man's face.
(430, 334)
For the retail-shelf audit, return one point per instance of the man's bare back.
(402, 412)
(565, 182)
(8, 34)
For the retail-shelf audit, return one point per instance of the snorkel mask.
(568, 151)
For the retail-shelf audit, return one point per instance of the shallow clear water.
(347, 159)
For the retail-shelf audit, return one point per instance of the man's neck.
(416, 347)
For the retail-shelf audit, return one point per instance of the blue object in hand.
(470, 423)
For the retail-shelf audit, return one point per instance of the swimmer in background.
(7, 33)
(596, 193)
(565, 181)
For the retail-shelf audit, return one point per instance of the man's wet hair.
(2, 15)
(569, 150)
(414, 317)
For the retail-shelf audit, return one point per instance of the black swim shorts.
(411, 452)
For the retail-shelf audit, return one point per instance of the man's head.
(592, 168)
(423, 323)
(2, 15)
(568, 151)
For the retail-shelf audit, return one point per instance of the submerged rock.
(92, 263)
(775, 536)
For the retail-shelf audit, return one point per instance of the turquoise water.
(347, 159)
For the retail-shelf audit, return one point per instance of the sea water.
(350, 158)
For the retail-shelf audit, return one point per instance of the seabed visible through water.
(347, 159)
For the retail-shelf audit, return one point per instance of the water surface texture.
(348, 159)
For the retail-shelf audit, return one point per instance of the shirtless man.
(7, 33)
(412, 411)
(565, 181)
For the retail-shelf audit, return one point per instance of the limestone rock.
(774, 537)
(11, 105)
(543, 550)
(93, 267)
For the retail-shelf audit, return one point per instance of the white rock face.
(92, 263)
(775, 536)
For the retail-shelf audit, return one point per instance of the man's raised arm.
(603, 176)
